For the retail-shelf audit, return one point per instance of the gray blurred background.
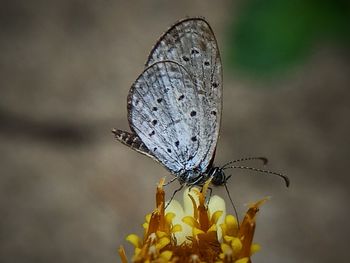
(70, 193)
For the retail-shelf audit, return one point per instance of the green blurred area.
(270, 36)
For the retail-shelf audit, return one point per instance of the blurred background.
(71, 193)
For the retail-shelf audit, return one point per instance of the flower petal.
(169, 217)
(215, 217)
(175, 207)
(216, 203)
(242, 260)
(161, 234)
(122, 254)
(189, 220)
(133, 239)
(162, 242)
(176, 228)
(225, 248)
(145, 225)
(254, 248)
(166, 255)
(197, 231)
(212, 228)
(236, 245)
(188, 205)
(231, 225)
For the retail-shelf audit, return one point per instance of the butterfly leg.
(209, 196)
(172, 197)
(172, 180)
(196, 183)
(228, 177)
(229, 196)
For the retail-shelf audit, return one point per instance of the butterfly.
(175, 105)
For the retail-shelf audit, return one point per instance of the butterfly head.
(218, 176)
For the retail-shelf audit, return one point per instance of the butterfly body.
(174, 106)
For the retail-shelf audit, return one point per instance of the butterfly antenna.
(233, 205)
(285, 178)
(263, 159)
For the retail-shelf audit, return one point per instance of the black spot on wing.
(185, 58)
(194, 51)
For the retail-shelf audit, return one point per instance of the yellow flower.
(194, 232)
(187, 215)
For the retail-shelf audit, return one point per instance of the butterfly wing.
(133, 141)
(192, 43)
(164, 113)
(174, 107)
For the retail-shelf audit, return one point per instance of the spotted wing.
(191, 43)
(168, 112)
